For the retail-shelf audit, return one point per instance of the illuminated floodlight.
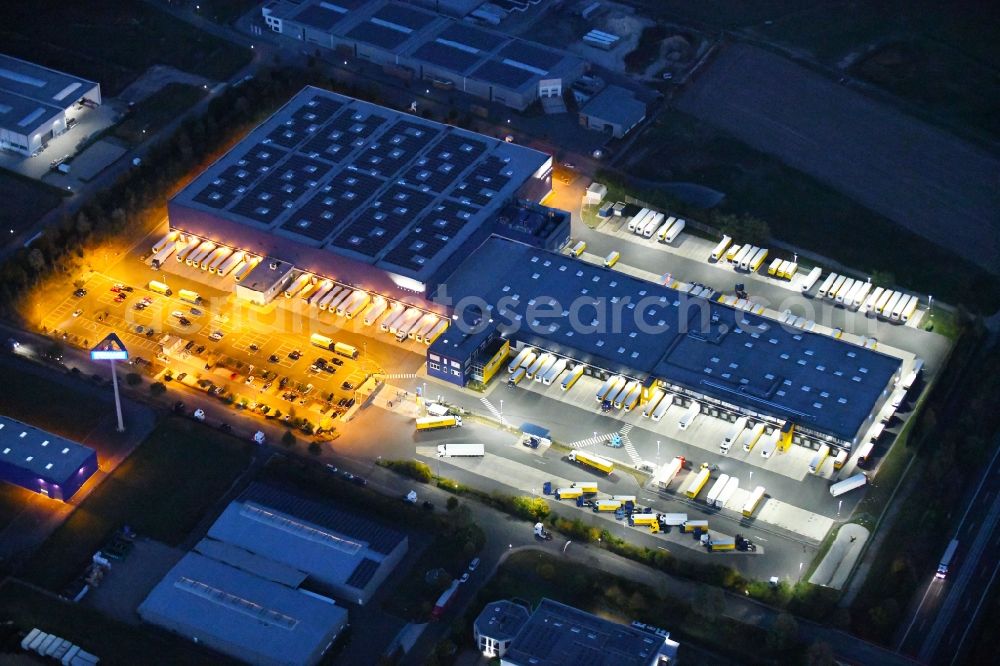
(110, 348)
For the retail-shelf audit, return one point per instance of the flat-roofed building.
(412, 42)
(258, 619)
(342, 553)
(729, 360)
(381, 200)
(614, 110)
(42, 462)
(559, 635)
(34, 101)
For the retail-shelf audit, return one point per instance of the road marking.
(493, 410)
(590, 441)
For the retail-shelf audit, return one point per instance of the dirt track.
(924, 179)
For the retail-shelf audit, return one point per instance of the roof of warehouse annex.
(31, 94)
(411, 32)
(364, 181)
(46, 455)
(624, 324)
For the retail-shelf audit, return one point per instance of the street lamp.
(111, 349)
(501, 413)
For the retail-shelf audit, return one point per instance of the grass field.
(803, 211)
(158, 110)
(114, 642)
(30, 400)
(113, 41)
(24, 201)
(161, 491)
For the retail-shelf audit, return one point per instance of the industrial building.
(42, 462)
(341, 553)
(559, 635)
(244, 608)
(614, 110)
(371, 197)
(34, 102)
(731, 361)
(414, 43)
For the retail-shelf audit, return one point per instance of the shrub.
(288, 439)
(413, 469)
(314, 447)
(157, 388)
(133, 379)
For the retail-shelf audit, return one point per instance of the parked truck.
(817, 460)
(609, 384)
(752, 501)
(769, 444)
(375, 310)
(521, 359)
(698, 482)
(720, 249)
(811, 278)
(572, 377)
(665, 474)
(849, 484)
(653, 402)
(661, 409)
(353, 304)
(436, 332)
(716, 489)
(749, 437)
(727, 492)
(568, 493)
(160, 288)
(675, 231)
(461, 450)
(637, 218)
(163, 254)
(345, 350)
(435, 422)
(687, 418)
(296, 285)
(538, 364)
(189, 296)
(592, 461)
(824, 288)
(718, 544)
(170, 237)
(230, 263)
(735, 431)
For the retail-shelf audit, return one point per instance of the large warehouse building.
(34, 101)
(342, 554)
(42, 462)
(243, 609)
(416, 43)
(730, 361)
(381, 200)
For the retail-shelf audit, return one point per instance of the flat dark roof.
(621, 323)
(444, 55)
(501, 74)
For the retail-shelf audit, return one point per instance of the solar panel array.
(331, 171)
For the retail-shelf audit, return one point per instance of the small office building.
(42, 462)
(614, 110)
(34, 102)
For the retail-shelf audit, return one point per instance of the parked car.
(80, 293)
(474, 564)
(199, 414)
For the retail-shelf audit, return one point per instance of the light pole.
(111, 349)
(657, 453)
(839, 504)
(501, 413)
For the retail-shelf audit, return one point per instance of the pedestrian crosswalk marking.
(493, 410)
(400, 375)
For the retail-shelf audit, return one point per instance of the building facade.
(410, 42)
(42, 462)
(34, 102)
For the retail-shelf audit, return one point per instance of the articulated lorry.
(592, 461)
(461, 450)
(435, 422)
